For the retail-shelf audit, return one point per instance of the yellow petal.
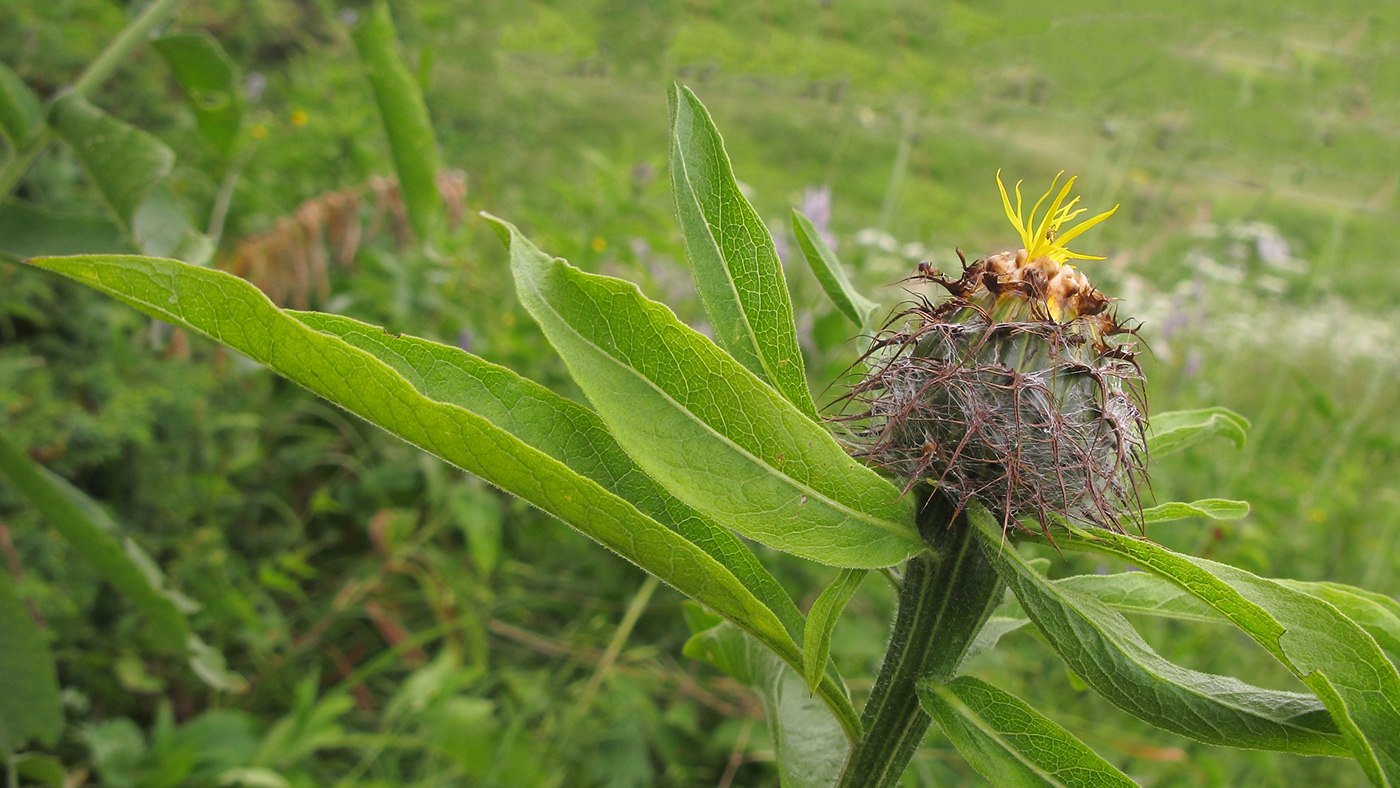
(1070, 235)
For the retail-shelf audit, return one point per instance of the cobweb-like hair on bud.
(1032, 418)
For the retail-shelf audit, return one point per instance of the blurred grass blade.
(807, 741)
(21, 116)
(1142, 593)
(405, 118)
(1329, 652)
(234, 312)
(1209, 508)
(821, 620)
(856, 307)
(29, 707)
(1176, 430)
(736, 266)
(96, 539)
(210, 81)
(1378, 614)
(706, 428)
(1105, 651)
(1009, 742)
(561, 428)
(125, 163)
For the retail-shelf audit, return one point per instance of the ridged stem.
(947, 594)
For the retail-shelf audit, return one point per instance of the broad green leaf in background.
(29, 707)
(821, 620)
(234, 312)
(20, 113)
(736, 266)
(1103, 649)
(125, 163)
(856, 307)
(1142, 593)
(1175, 430)
(127, 166)
(807, 740)
(561, 428)
(1009, 742)
(1330, 653)
(210, 81)
(991, 633)
(705, 427)
(405, 118)
(27, 230)
(1210, 508)
(1378, 614)
(97, 539)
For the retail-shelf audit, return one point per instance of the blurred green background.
(402, 624)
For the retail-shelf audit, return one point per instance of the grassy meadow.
(402, 624)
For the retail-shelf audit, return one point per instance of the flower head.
(1045, 239)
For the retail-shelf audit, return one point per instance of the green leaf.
(828, 270)
(807, 740)
(405, 118)
(125, 163)
(821, 620)
(992, 632)
(1173, 431)
(210, 81)
(234, 312)
(1010, 743)
(97, 539)
(705, 427)
(20, 112)
(1329, 652)
(736, 266)
(1105, 651)
(1142, 593)
(1211, 508)
(1378, 614)
(29, 707)
(561, 428)
(26, 230)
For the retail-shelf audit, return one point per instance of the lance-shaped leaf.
(991, 633)
(821, 620)
(405, 118)
(704, 426)
(210, 81)
(736, 266)
(1329, 652)
(856, 307)
(1011, 744)
(234, 312)
(1210, 508)
(1378, 614)
(125, 163)
(1176, 430)
(807, 740)
(1103, 649)
(29, 707)
(561, 428)
(20, 113)
(1142, 593)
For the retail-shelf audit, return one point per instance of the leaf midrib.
(955, 702)
(881, 523)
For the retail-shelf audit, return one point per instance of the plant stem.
(97, 72)
(945, 597)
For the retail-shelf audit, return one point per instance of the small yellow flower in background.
(259, 131)
(1318, 515)
(1045, 239)
(299, 118)
(599, 244)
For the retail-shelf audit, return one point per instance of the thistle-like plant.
(1007, 410)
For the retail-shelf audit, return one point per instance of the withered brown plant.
(1019, 388)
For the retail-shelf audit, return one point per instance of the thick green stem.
(945, 597)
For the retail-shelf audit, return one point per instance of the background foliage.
(399, 623)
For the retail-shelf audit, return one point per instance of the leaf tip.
(503, 228)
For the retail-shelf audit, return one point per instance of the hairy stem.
(945, 597)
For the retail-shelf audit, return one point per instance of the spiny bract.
(1020, 389)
